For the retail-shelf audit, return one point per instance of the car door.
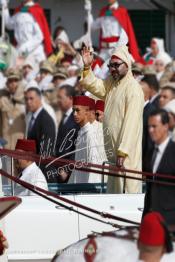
(38, 228)
(127, 206)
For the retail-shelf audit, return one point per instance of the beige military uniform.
(12, 116)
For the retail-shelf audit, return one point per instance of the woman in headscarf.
(157, 51)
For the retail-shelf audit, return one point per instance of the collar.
(163, 145)
(68, 112)
(153, 98)
(114, 5)
(37, 112)
(146, 103)
(95, 123)
(85, 128)
(28, 169)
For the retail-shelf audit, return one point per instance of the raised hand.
(87, 56)
(88, 5)
(4, 3)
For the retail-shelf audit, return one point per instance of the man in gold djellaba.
(123, 115)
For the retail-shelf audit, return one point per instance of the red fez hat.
(67, 58)
(100, 105)
(152, 232)
(83, 101)
(26, 145)
(92, 104)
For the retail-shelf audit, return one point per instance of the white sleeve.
(37, 39)
(123, 40)
(95, 24)
(9, 21)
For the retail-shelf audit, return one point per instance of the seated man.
(30, 172)
(154, 239)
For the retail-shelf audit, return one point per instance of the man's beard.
(117, 77)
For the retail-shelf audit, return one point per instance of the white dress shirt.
(35, 115)
(153, 98)
(67, 114)
(146, 102)
(87, 152)
(161, 150)
(33, 175)
(27, 33)
(29, 117)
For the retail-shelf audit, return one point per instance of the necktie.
(61, 125)
(31, 123)
(155, 152)
(64, 118)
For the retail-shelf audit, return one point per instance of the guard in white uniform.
(116, 30)
(27, 31)
(112, 34)
(31, 173)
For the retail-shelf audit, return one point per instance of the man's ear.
(167, 127)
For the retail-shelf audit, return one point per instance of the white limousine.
(37, 228)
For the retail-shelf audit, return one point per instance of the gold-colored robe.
(123, 121)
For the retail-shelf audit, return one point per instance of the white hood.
(63, 37)
(162, 55)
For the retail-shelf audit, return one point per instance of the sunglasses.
(115, 65)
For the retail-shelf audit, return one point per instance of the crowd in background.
(45, 108)
(55, 82)
(37, 99)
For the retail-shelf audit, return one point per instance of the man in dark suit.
(147, 143)
(167, 94)
(150, 83)
(68, 129)
(41, 126)
(160, 198)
